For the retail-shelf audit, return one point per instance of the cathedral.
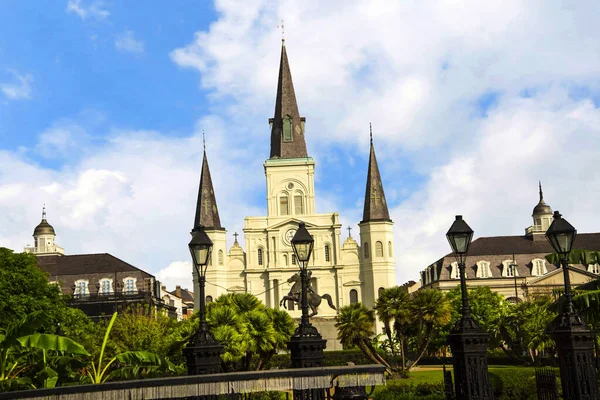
(348, 270)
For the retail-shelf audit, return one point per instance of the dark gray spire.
(375, 205)
(207, 213)
(541, 207)
(287, 127)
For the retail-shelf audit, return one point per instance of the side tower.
(289, 170)
(43, 239)
(378, 268)
(207, 216)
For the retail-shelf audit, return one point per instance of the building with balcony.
(98, 284)
(515, 266)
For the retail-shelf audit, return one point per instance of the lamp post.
(514, 266)
(203, 352)
(306, 344)
(574, 339)
(467, 340)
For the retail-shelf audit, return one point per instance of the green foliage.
(139, 330)
(25, 289)
(250, 332)
(404, 390)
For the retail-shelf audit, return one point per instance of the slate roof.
(286, 107)
(375, 208)
(82, 264)
(183, 294)
(207, 213)
(497, 249)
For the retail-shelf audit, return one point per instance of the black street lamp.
(574, 339)
(203, 352)
(468, 341)
(306, 344)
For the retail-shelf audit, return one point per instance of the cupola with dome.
(542, 218)
(43, 239)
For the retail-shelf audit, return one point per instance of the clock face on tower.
(289, 235)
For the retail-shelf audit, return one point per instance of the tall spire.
(375, 205)
(541, 193)
(287, 127)
(207, 213)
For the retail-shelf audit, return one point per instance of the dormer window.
(287, 129)
(483, 269)
(538, 267)
(105, 286)
(454, 273)
(81, 287)
(130, 285)
(594, 268)
(508, 271)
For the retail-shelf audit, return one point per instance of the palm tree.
(430, 309)
(355, 324)
(393, 309)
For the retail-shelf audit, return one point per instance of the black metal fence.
(545, 383)
(327, 382)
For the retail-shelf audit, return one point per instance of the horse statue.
(313, 299)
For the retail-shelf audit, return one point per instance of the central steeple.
(287, 127)
(375, 208)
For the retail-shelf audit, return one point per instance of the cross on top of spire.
(282, 31)
(371, 132)
(44, 211)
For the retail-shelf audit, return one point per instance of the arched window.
(130, 286)
(105, 286)
(81, 287)
(378, 249)
(209, 299)
(353, 296)
(287, 129)
(298, 206)
(390, 248)
(366, 249)
(260, 257)
(483, 269)
(220, 257)
(380, 291)
(285, 260)
(283, 205)
(454, 273)
(327, 256)
(538, 267)
(293, 259)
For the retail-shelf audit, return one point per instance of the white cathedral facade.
(348, 270)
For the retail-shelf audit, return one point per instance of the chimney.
(178, 291)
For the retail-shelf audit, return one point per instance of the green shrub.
(405, 391)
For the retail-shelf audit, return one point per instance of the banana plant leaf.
(583, 257)
(52, 342)
(141, 364)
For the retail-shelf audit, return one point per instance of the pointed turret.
(207, 213)
(287, 127)
(375, 205)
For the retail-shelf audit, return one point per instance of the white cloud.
(126, 42)
(415, 70)
(17, 90)
(176, 273)
(94, 10)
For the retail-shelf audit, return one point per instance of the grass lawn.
(512, 381)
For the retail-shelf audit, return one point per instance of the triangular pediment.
(291, 221)
(551, 278)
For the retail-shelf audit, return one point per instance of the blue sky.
(103, 104)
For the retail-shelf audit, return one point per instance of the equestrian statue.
(313, 299)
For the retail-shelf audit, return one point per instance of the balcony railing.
(534, 229)
(45, 250)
